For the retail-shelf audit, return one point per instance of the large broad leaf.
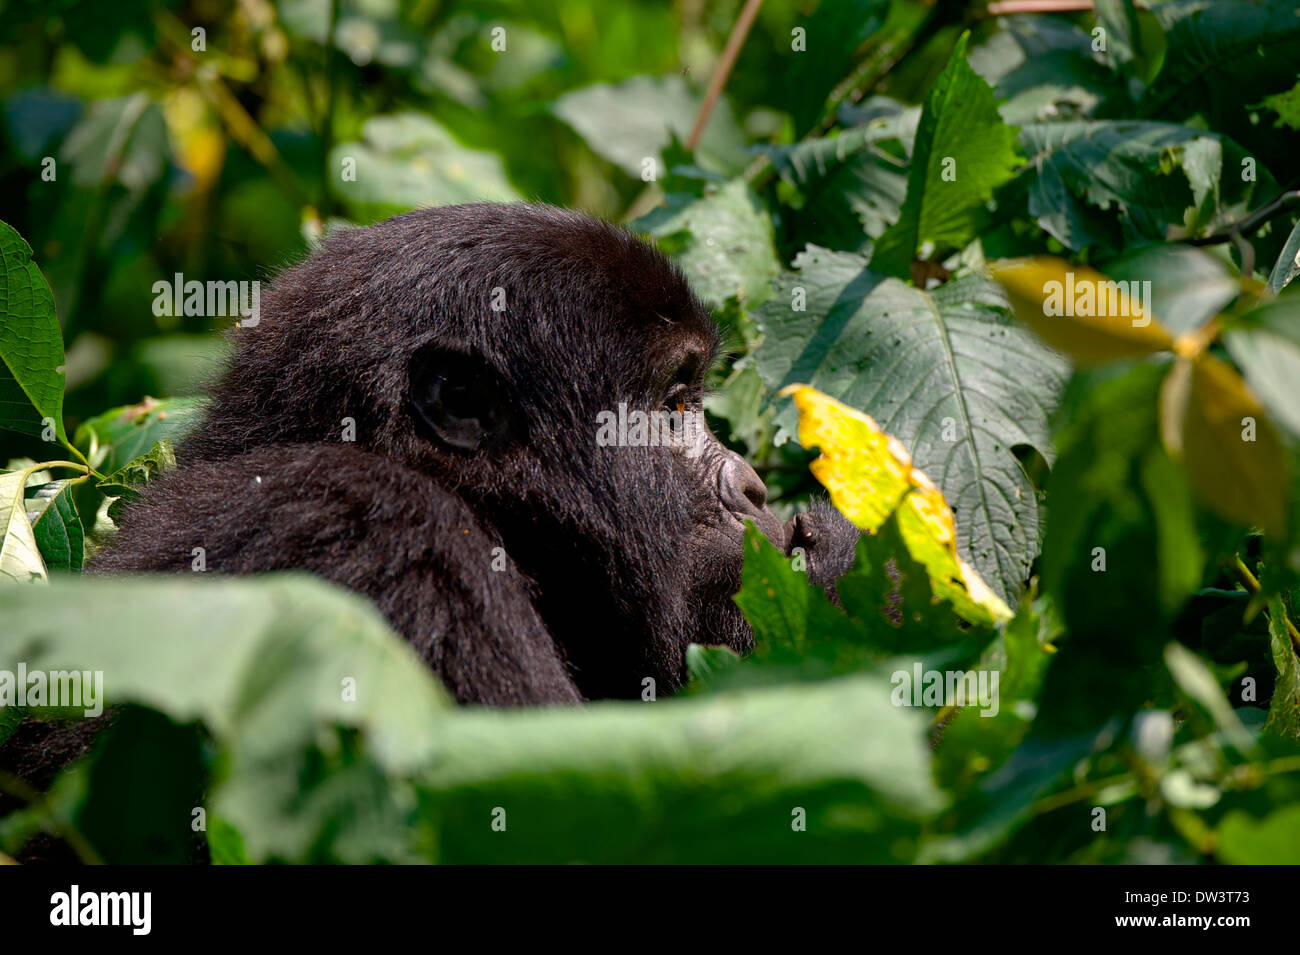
(31, 344)
(828, 772)
(407, 161)
(963, 151)
(1126, 535)
(1270, 839)
(273, 669)
(326, 727)
(947, 372)
(722, 241)
(637, 119)
(1111, 182)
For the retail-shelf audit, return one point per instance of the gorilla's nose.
(742, 492)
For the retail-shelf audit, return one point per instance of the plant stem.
(1250, 584)
(719, 78)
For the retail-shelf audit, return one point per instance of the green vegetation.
(894, 203)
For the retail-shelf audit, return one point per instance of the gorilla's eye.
(678, 405)
(459, 399)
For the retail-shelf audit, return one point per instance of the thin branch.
(327, 120)
(720, 75)
(1038, 6)
(1252, 221)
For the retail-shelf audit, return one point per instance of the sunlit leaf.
(870, 476)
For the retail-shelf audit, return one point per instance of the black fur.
(609, 561)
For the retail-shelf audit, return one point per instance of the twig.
(1235, 232)
(327, 120)
(719, 78)
(1038, 6)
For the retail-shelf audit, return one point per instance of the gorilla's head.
(486, 346)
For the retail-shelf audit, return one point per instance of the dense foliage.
(1090, 509)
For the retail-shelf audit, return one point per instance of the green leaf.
(20, 556)
(948, 373)
(1195, 679)
(635, 120)
(974, 743)
(406, 161)
(963, 152)
(158, 829)
(1135, 37)
(1045, 70)
(1265, 345)
(311, 698)
(790, 617)
(1267, 840)
(1110, 182)
(832, 35)
(121, 435)
(722, 240)
(720, 777)
(1127, 536)
(31, 344)
(704, 662)
(1286, 105)
(1284, 708)
(850, 187)
(56, 526)
(159, 459)
(1188, 285)
(124, 483)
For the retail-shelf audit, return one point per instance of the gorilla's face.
(575, 424)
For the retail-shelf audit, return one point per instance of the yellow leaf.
(1080, 312)
(1210, 419)
(869, 475)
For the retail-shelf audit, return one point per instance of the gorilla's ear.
(459, 399)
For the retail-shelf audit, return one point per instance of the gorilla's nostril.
(741, 489)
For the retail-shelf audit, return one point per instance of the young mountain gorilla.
(470, 351)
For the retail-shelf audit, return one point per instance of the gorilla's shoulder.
(288, 506)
